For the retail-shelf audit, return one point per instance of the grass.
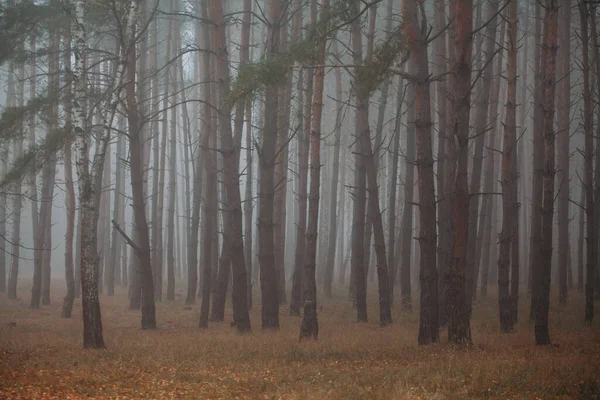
(41, 356)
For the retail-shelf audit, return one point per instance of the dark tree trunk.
(563, 133)
(542, 280)
(481, 114)
(509, 180)
(588, 176)
(309, 329)
(241, 318)
(428, 319)
(406, 235)
(358, 285)
(459, 330)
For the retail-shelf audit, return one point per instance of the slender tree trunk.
(333, 205)
(542, 280)
(481, 114)
(359, 259)
(407, 215)
(268, 274)
(142, 243)
(538, 166)
(588, 177)
(509, 179)
(596, 279)
(442, 159)
(67, 307)
(303, 147)
(309, 329)
(394, 155)
(459, 330)
(240, 298)
(17, 199)
(428, 319)
(563, 153)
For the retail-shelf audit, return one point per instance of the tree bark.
(588, 176)
(241, 318)
(542, 280)
(458, 311)
(309, 329)
(359, 284)
(428, 318)
(481, 114)
(509, 179)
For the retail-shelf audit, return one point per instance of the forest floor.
(41, 355)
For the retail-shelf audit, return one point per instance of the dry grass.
(41, 357)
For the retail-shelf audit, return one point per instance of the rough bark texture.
(241, 318)
(359, 285)
(309, 329)
(69, 298)
(459, 330)
(542, 280)
(481, 113)
(509, 179)
(562, 137)
(588, 177)
(428, 321)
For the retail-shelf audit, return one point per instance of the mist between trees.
(284, 152)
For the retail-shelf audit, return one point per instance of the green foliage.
(385, 57)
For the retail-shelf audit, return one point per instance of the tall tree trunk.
(428, 319)
(409, 189)
(542, 280)
(248, 201)
(509, 179)
(17, 199)
(442, 159)
(303, 147)
(268, 274)
(333, 205)
(481, 119)
(538, 166)
(359, 259)
(241, 318)
(142, 243)
(459, 330)
(588, 175)
(309, 329)
(596, 280)
(394, 188)
(67, 307)
(564, 113)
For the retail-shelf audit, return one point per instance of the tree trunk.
(142, 243)
(428, 319)
(67, 307)
(509, 179)
(538, 167)
(407, 215)
(563, 154)
(268, 274)
(481, 114)
(333, 205)
(588, 176)
(17, 199)
(394, 189)
(596, 279)
(441, 64)
(309, 329)
(359, 284)
(241, 318)
(303, 147)
(542, 279)
(459, 330)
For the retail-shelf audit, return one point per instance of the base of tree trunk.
(309, 329)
